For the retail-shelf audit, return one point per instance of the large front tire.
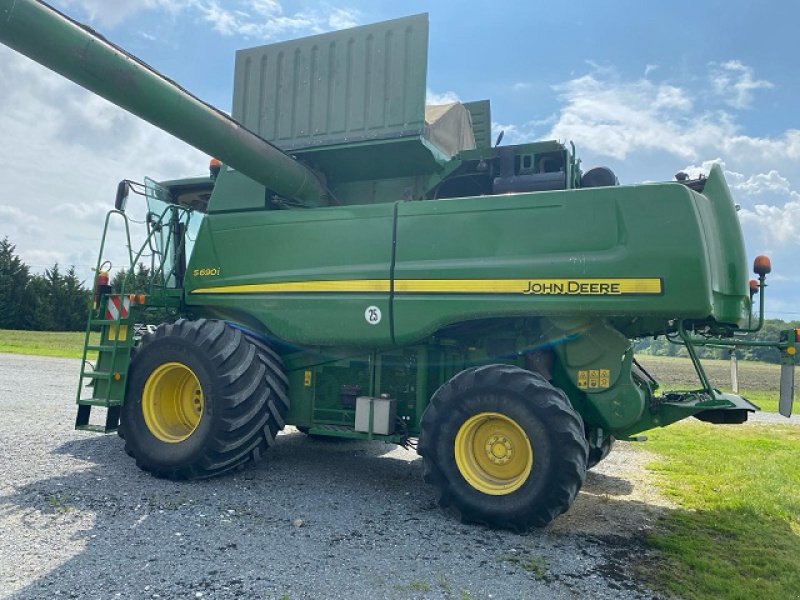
(503, 447)
(203, 398)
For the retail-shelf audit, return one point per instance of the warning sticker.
(594, 379)
(583, 380)
(603, 380)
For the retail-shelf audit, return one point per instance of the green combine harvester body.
(380, 270)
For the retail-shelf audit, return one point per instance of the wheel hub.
(493, 453)
(499, 449)
(172, 402)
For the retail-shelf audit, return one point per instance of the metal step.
(111, 421)
(98, 375)
(102, 347)
(99, 402)
(98, 324)
(96, 428)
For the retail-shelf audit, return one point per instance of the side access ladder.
(107, 377)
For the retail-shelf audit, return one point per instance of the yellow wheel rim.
(493, 453)
(172, 402)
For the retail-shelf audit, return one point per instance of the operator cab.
(191, 193)
(175, 211)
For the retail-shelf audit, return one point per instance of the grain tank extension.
(363, 266)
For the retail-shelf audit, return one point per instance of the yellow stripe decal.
(531, 287)
(302, 287)
(527, 287)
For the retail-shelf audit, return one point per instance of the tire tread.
(250, 401)
(551, 406)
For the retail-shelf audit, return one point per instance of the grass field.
(66, 344)
(736, 534)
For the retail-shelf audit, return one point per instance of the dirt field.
(674, 372)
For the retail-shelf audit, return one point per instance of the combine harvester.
(379, 270)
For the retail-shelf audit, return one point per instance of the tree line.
(53, 301)
(661, 346)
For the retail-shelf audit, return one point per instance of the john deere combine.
(380, 270)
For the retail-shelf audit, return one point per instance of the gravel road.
(317, 519)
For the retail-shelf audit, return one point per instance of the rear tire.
(503, 447)
(203, 399)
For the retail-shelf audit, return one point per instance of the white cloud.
(775, 224)
(434, 98)
(72, 149)
(764, 183)
(695, 171)
(11, 214)
(81, 211)
(735, 83)
(39, 259)
(110, 14)
(261, 19)
(264, 20)
(520, 134)
(614, 118)
(343, 18)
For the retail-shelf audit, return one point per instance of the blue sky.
(646, 88)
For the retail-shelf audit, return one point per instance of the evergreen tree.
(76, 302)
(39, 315)
(140, 283)
(14, 275)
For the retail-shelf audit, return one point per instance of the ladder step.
(99, 402)
(111, 419)
(98, 375)
(102, 322)
(102, 347)
(104, 375)
(96, 428)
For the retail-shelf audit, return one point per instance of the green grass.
(766, 401)
(736, 534)
(66, 344)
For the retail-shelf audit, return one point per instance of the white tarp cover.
(449, 128)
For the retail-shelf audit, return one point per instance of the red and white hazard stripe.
(117, 308)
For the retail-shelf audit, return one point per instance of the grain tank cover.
(361, 84)
(449, 127)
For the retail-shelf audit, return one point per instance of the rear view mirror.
(122, 195)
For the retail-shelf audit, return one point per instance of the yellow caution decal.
(594, 379)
